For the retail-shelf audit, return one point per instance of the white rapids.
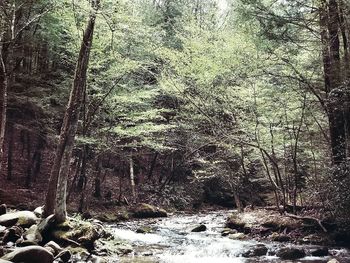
(172, 241)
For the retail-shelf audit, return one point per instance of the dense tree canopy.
(253, 94)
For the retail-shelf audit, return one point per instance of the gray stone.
(237, 236)
(200, 228)
(29, 254)
(54, 246)
(20, 218)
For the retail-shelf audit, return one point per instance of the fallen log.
(308, 218)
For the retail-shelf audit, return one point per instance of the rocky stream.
(171, 240)
(151, 235)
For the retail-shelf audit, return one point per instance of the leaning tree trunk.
(56, 195)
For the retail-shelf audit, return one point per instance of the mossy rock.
(148, 211)
(80, 232)
(235, 222)
(114, 247)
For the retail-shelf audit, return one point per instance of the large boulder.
(148, 211)
(29, 254)
(290, 253)
(20, 218)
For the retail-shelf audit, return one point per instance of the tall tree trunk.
(329, 20)
(150, 174)
(238, 202)
(56, 195)
(3, 98)
(132, 178)
(10, 152)
(98, 170)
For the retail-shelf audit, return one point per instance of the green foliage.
(219, 89)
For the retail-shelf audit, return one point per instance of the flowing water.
(172, 241)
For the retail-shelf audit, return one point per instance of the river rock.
(3, 209)
(237, 236)
(228, 231)
(256, 251)
(290, 253)
(54, 247)
(333, 261)
(148, 211)
(144, 230)
(29, 254)
(20, 218)
(319, 252)
(200, 228)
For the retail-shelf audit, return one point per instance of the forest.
(154, 131)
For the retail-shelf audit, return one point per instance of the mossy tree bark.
(333, 76)
(56, 196)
